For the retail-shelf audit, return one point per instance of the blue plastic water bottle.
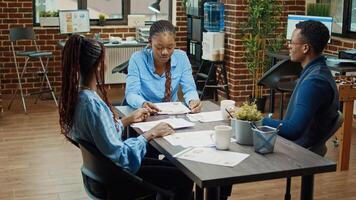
(214, 16)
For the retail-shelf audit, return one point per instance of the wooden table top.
(287, 160)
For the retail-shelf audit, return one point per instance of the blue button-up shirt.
(94, 123)
(143, 84)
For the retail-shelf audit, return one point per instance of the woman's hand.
(138, 115)
(152, 108)
(160, 130)
(195, 106)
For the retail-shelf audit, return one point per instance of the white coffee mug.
(226, 105)
(222, 137)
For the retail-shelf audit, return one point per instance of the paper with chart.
(176, 123)
(171, 108)
(212, 156)
(193, 139)
(206, 116)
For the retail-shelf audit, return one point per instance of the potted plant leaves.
(260, 35)
(241, 122)
(49, 18)
(102, 19)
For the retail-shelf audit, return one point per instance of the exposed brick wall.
(337, 44)
(19, 13)
(239, 80)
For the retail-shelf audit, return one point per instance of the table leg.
(345, 140)
(199, 193)
(271, 100)
(212, 193)
(307, 187)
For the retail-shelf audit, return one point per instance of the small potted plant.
(240, 124)
(49, 18)
(102, 19)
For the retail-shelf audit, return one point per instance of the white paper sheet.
(207, 116)
(176, 123)
(193, 138)
(188, 139)
(212, 156)
(172, 108)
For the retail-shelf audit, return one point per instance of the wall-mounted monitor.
(74, 21)
(295, 19)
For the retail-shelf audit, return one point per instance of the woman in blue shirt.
(155, 73)
(86, 114)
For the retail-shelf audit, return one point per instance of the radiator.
(115, 56)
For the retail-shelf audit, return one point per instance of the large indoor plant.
(259, 35)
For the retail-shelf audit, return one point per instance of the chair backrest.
(22, 33)
(320, 147)
(122, 68)
(278, 71)
(112, 177)
(72, 141)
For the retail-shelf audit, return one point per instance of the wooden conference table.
(288, 160)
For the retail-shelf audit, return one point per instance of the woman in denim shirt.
(86, 114)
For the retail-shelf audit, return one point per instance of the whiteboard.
(295, 19)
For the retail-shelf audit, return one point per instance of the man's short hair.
(315, 33)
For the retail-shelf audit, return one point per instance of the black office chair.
(27, 33)
(122, 68)
(105, 180)
(279, 78)
(320, 149)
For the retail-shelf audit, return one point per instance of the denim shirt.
(94, 123)
(143, 84)
(313, 105)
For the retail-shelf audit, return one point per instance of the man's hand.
(195, 106)
(160, 130)
(152, 108)
(138, 115)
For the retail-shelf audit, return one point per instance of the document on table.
(176, 123)
(206, 116)
(212, 156)
(192, 138)
(171, 108)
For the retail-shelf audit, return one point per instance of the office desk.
(341, 68)
(288, 160)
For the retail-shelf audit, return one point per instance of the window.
(140, 7)
(52, 5)
(344, 14)
(353, 17)
(336, 11)
(344, 17)
(116, 11)
(110, 8)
